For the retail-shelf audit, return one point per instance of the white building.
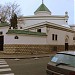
(42, 28)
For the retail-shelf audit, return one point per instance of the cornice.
(50, 25)
(51, 16)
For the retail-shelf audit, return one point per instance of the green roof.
(4, 24)
(42, 7)
(25, 32)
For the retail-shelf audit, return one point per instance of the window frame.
(54, 37)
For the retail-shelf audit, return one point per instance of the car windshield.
(64, 58)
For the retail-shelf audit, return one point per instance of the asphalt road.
(28, 66)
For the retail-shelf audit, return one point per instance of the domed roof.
(42, 7)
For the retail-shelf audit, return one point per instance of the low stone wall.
(33, 49)
(72, 47)
(26, 49)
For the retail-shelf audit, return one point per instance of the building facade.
(42, 31)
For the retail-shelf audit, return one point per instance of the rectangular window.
(54, 36)
(1, 32)
(38, 30)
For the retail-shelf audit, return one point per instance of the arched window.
(20, 27)
(67, 39)
(16, 37)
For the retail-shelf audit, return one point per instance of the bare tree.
(7, 10)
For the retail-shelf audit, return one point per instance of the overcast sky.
(57, 7)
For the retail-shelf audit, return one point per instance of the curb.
(24, 57)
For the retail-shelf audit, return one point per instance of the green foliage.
(13, 21)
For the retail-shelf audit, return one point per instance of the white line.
(6, 69)
(8, 74)
(3, 63)
(1, 59)
(4, 66)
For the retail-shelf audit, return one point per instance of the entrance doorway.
(66, 43)
(66, 46)
(1, 42)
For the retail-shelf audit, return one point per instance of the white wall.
(29, 22)
(43, 13)
(4, 30)
(43, 29)
(61, 35)
(28, 39)
(25, 39)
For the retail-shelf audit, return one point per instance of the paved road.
(28, 66)
(4, 68)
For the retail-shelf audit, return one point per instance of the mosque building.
(41, 32)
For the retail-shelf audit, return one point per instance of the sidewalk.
(22, 56)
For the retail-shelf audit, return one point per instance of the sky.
(57, 7)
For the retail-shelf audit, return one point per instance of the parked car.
(62, 63)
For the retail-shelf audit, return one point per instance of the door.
(66, 46)
(1, 42)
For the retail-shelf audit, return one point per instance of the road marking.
(6, 69)
(4, 65)
(8, 74)
(2, 59)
